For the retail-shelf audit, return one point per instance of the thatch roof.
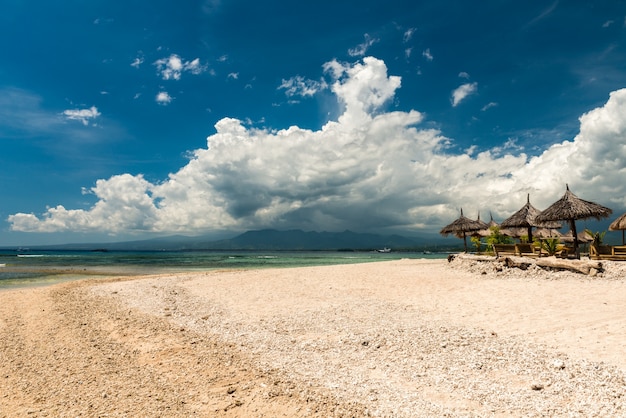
(462, 225)
(619, 224)
(547, 233)
(514, 232)
(582, 237)
(485, 232)
(570, 207)
(526, 217)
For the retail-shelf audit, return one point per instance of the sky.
(137, 119)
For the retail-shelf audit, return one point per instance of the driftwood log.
(589, 267)
(473, 257)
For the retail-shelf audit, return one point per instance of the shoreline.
(376, 339)
(59, 266)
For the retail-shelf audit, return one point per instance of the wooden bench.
(527, 250)
(566, 251)
(619, 250)
(504, 249)
(607, 252)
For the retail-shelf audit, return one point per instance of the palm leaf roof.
(571, 207)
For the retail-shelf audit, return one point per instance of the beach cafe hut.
(461, 226)
(571, 208)
(619, 225)
(525, 218)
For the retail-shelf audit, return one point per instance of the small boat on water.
(384, 250)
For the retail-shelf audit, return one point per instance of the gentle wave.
(46, 266)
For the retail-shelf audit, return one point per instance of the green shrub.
(477, 243)
(497, 237)
(550, 245)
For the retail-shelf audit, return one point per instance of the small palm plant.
(596, 246)
(598, 237)
(550, 245)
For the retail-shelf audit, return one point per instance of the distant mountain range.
(269, 239)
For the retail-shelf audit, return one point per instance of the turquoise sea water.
(48, 267)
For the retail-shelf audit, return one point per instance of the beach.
(402, 338)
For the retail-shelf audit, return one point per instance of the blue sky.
(125, 120)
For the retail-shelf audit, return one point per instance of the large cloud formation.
(369, 170)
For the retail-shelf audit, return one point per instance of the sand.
(401, 338)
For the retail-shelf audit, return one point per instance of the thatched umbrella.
(461, 227)
(619, 225)
(487, 230)
(526, 218)
(570, 208)
(545, 233)
(583, 237)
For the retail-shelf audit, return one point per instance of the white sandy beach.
(402, 338)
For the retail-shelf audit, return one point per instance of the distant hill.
(266, 239)
(271, 239)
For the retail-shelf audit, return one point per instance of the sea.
(42, 268)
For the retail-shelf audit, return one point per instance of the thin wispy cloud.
(300, 86)
(426, 54)
(408, 35)
(210, 6)
(511, 145)
(101, 21)
(544, 13)
(22, 115)
(462, 92)
(361, 49)
(137, 62)
(489, 106)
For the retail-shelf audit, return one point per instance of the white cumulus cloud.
(172, 67)
(124, 205)
(371, 169)
(82, 115)
(163, 98)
